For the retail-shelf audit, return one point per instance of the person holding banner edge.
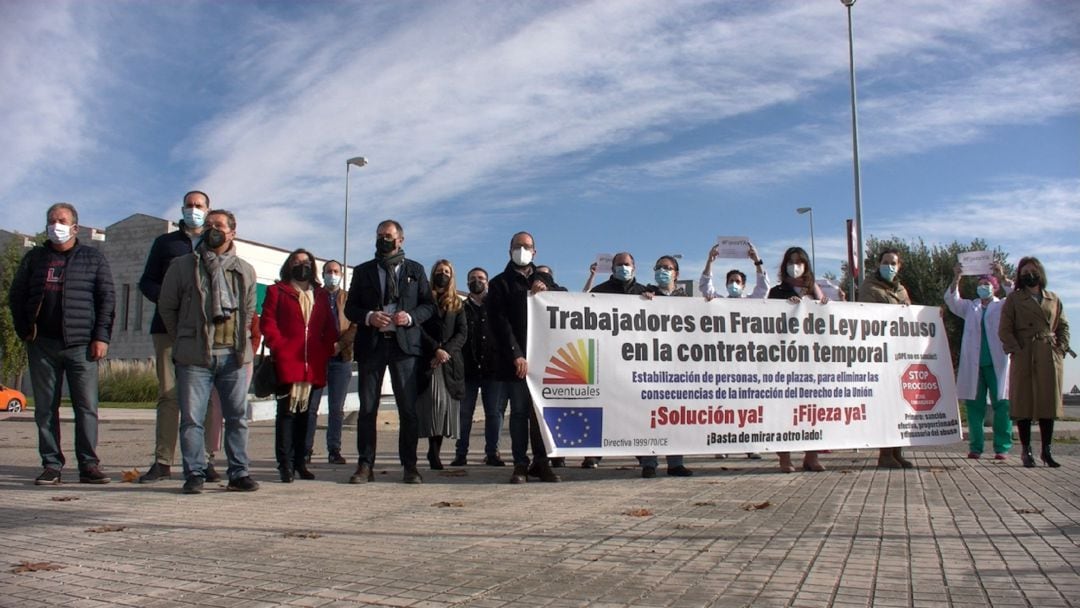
(884, 287)
(1035, 334)
(796, 282)
(984, 366)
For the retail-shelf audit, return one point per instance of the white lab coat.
(967, 374)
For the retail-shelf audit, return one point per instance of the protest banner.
(975, 262)
(737, 247)
(622, 375)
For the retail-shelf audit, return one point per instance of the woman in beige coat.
(1035, 334)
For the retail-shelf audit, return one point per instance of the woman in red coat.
(301, 333)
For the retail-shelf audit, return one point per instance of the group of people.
(443, 351)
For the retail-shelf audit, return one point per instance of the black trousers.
(290, 435)
(404, 379)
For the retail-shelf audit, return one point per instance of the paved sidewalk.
(953, 532)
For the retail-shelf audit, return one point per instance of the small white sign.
(975, 262)
(604, 263)
(733, 246)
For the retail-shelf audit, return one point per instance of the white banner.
(975, 262)
(622, 375)
(737, 247)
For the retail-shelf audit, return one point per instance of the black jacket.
(507, 305)
(613, 285)
(447, 331)
(89, 301)
(165, 248)
(479, 353)
(365, 295)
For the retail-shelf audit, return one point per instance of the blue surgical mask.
(734, 290)
(194, 217)
(888, 271)
(663, 277)
(624, 272)
(332, 280)
(985, 292)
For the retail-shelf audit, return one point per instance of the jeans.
(976, 413)
(494, 401)
(404, 370)
(50, 363)
(524, 425)
(193, 384)
(338, 375)
(652, 461)
(167, 425)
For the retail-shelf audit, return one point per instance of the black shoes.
(157, 472)
(286, 474)
(648, 472)
(494, 461)
(436, 463)
(557, 463)
(363, 474)
(679, 471)
(458, 461)
(93, 474)
(1047, 459)
(412, 476)
(303, 473)
(243, 484)
(520, 474)
(336, 458)
(48, 477)
(212, 476)
(590, 463)
(543, 471)
(193, 485)
(1026, 457)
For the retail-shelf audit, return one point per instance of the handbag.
(264, 380)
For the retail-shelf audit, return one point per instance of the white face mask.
(796, 270)
(332, 280)
(193, 217)
(59, 233)
(521, 256)
(734, 290)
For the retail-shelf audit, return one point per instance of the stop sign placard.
(920, 387)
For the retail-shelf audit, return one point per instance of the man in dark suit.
(389, 298)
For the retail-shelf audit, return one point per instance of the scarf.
(223, 300)
(300, 392)
(388, 262)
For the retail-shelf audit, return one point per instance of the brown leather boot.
(886, 459)
(785, 462)
(810, 462)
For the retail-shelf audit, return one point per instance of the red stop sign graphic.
(920, 387)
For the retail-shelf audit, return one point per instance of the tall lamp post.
(813, 251)
(855, 146)
(356, 161)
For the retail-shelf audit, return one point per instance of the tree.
(12, 350)
(927, 270)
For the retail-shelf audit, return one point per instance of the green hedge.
(127, 385)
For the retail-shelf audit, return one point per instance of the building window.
(124, 300)
(139, 314)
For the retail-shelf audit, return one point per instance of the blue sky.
(598, 126)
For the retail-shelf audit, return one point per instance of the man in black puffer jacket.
(62, 304)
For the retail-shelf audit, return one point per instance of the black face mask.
(214, 238)
(384, 246)
(476, 287)
(301, 273)
(1029, 280)
(441, 281)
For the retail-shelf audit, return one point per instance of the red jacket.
(299, 355)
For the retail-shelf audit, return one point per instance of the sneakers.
(520, 474)
(212, 476)
(243, 484)
(157, 472)
(590, 463)
(336, 458)
(1001, 456)
(679, 471)
(557, 463)
(48, 477)
(974, 455)
(193, 485)
(648, 472)
(93, 474)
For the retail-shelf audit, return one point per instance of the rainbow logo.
(574, 363)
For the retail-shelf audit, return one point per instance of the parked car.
(11, 400)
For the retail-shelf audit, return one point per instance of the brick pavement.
(953, 532)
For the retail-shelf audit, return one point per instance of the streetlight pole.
(356, 161)
(813, 251)
(855, 147)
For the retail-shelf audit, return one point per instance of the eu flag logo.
(575, 427)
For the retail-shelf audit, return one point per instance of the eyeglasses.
(658, 267)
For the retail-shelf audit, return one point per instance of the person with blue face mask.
(984, 366)
(735, 279)
(884, 287)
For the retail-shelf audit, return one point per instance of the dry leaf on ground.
(442, 504)
(454, 473)
(638, 513)
(34, 567)
(705, 503)
(302, 534)
(64, 498)
(1029, 510)
(757, 507)
(106, 528)
(129, 476)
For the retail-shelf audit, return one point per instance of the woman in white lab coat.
(984, 366)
